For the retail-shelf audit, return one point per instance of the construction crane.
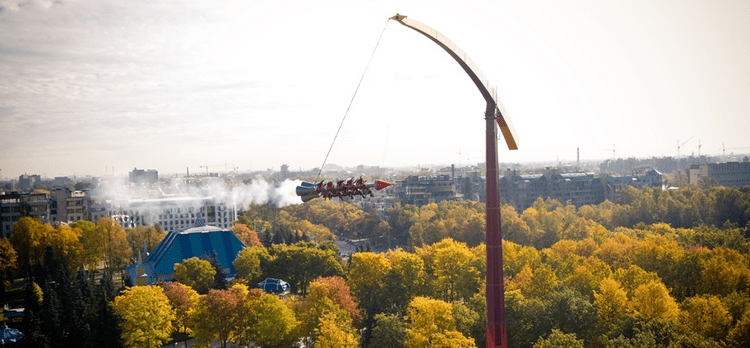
(494, 114)
(723, 150)
(680, 145)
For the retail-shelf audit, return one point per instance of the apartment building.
(729, 174)
(15, 205)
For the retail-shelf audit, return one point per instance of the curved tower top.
(476, 75)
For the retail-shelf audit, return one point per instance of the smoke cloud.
(188, 192)
(258, 192)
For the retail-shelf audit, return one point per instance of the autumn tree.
(739, 335)
(612, 304)
(195, 273)
(366, 274)
(8, 265)
(319, 315)
(341, 295)
(405, 280)
(275, 323)
(652, 301)
(331, 334)
(246, 235)
(140, 236)
(515, 229)
(66, 242)
(706, 317)
(431, 324)
(30, 237)
(107, 243)
(725, 271)
(217, 316)
(452, 269)
(183, 300)
(400, 219)
(146, 316)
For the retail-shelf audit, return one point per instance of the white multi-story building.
(175, 214)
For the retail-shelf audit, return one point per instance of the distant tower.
(578, 157)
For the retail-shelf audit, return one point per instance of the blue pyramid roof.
(193, 242)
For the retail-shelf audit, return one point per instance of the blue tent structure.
(8, 334)
(273, 285)
(179, 246)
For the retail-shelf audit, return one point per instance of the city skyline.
(90, 85)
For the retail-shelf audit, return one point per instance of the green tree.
(146, 316)
(558, 339)
(389, 332)
(195, 273)
(301, 263)
(247, 265)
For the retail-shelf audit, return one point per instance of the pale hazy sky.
(93, 84)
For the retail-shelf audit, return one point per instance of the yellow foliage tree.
(611, 303)
(652, 301)
(452, 269)
(366, 272)
(30, 237)
(431, 324)
(724, 272)
(332, 335)
(706, 316)
(108, 243)
(275, 322)
(146, 316)
(67, 242)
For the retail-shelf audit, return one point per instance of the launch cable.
(352, 100)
